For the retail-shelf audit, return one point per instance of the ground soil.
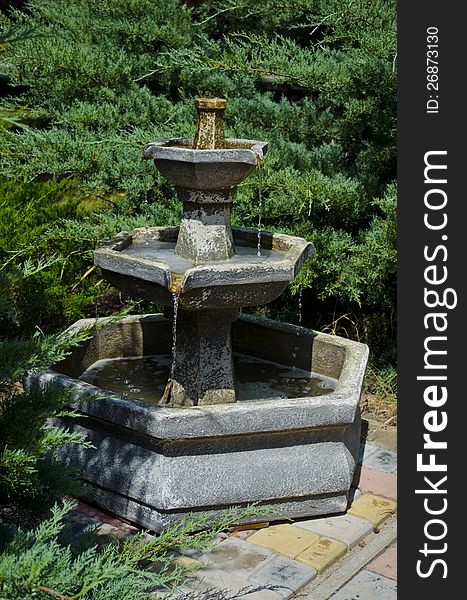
(379, 420)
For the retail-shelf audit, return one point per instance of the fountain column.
(205, 232)
(206, 172)
(203, 370)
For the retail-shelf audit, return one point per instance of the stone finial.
(210, 123)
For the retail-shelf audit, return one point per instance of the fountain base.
(154, 464)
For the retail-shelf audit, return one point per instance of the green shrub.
(31, 478)
(51, 298)
(318, 82)
(40, 563)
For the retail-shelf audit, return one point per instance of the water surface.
(144, 378)
(165, 252)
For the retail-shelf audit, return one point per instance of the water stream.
(168, 387)
(300, 307)
(260, 214)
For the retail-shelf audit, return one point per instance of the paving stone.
(107, 533)
(323, 553)
(288, 575)
(367, 586)
(285, 539)
(243, 534)
(386, 563)
(366, 450)
(373, 508)
(215, 579)
(348, 529)
(381, 460)
(354, 493)
(378, 483)
(385, 436)
(94, 513)
(236, 556)
(187, 562)
(196, 552)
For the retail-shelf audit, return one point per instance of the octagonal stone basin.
(143, 263)
(216, 169)
(154, 464)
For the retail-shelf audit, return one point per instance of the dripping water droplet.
(300, 307)
(260, 212)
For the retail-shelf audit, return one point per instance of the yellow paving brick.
(285, 539)
(372, 508)
(322, 554)
(187, 562)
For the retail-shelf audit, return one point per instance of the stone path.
(344, 557)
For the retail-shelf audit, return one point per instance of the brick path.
(344, 557)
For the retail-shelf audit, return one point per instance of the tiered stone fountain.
(241, 409)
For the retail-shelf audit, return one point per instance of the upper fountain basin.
(143, 263)
(195, 169)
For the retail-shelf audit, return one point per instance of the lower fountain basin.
(154, 464)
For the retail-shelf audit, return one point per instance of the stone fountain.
(247, 409)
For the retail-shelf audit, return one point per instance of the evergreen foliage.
(317, 78)
(30, 295)
(31, 478)
(40, 563)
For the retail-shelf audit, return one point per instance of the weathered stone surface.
(148, 264)
(344, 528)
(287, 575)
(174, 475)
(205, 232)
(153, 519)
(368, 586)
(155, 464)
(199, 276)
(243, 280)
(210, 123)
(214, 169)
(237, 557)
(203, 371)
(285, 539)
(140, 335)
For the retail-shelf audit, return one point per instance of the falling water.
(175, 296)
(260, 193)
(300, 306)
(168, 388)
(299, 313)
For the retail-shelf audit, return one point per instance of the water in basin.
(165, 252)
(144, 378)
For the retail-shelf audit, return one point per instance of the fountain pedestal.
(203, 370)
(205, 232)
